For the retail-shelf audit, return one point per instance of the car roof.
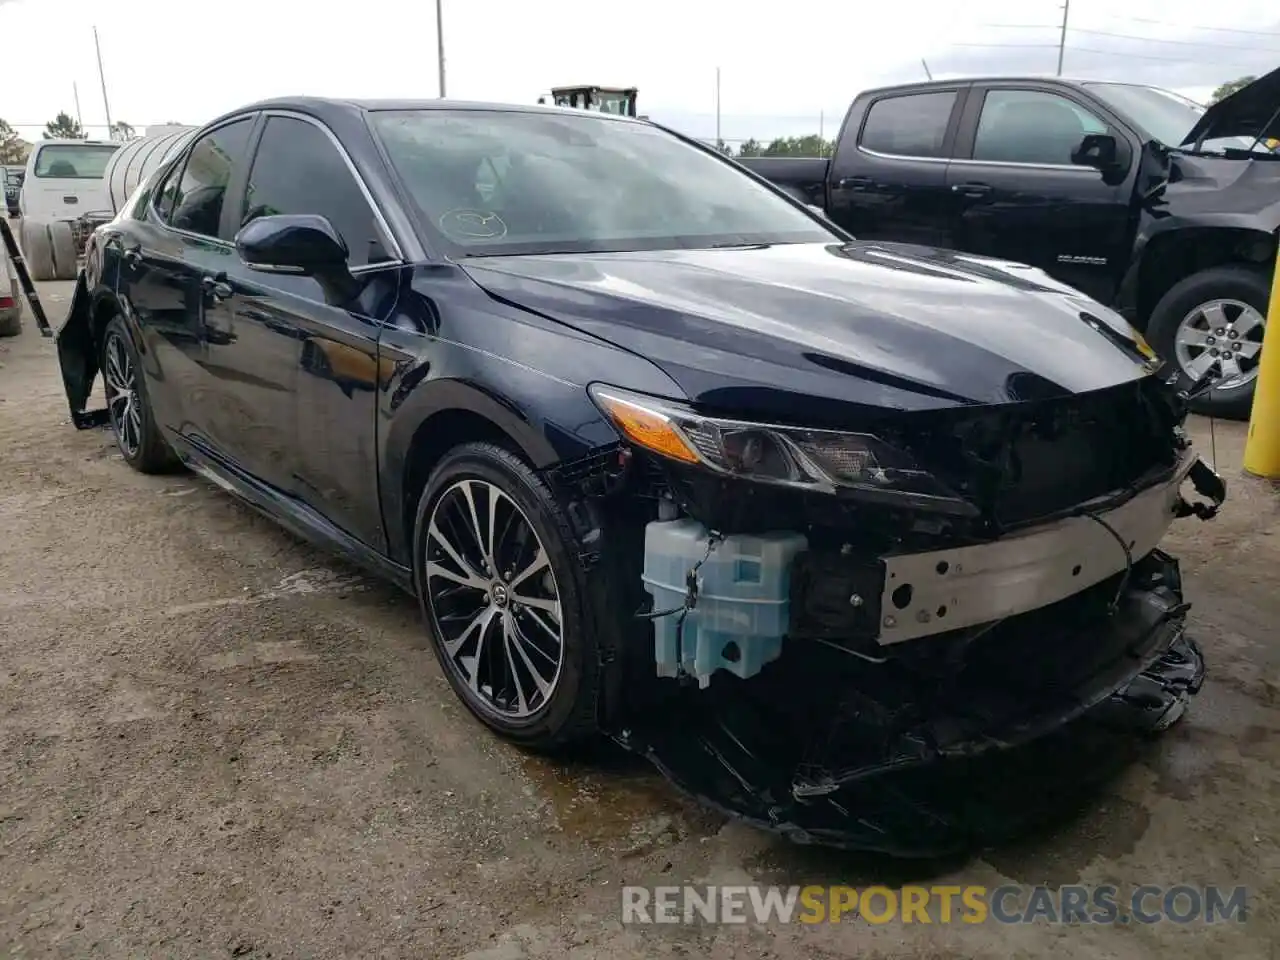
(328, 106)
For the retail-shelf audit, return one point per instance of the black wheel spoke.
(123, 405)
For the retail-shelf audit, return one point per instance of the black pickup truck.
(1134, 195)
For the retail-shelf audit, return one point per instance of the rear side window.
(911, 125)
(197, 201)
(297, 169)
(73, 161)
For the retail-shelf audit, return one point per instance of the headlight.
(824, 461)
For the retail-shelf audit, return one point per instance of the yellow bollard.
(1262, 448)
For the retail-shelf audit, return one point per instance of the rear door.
(888, 177)
(1020, 197)
(167, 257)
(289, 326)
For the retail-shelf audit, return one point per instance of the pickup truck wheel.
(65, 258)
(1214, 320)
(132, 423)
(37, 250)
(502, 595)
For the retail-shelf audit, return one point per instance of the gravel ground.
(216, 741)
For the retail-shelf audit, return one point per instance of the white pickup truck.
(64, 196)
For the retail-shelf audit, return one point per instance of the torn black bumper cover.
(826, 748)
(78, 358)
(953, 741)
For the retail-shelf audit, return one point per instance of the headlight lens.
(824, 461)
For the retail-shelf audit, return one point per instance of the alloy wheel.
(1227, 332)
(493, 600)
(122, 395)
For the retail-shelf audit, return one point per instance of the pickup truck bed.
(805, 178)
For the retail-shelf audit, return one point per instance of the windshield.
(500, 182)
(69, 161)
(1163, 115)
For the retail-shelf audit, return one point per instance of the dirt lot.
(216, 741)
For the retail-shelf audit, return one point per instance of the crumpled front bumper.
(926, 758)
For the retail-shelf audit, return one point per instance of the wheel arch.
(440, 415)
(1176, 254)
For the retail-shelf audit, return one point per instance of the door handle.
(216, 286)
(971, 189)
(854, 183)
(133, 257)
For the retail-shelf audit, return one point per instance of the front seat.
(61, 168)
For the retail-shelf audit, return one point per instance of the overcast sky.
(782, 65)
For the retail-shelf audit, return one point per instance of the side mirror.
(292, 243)
(1097, 150)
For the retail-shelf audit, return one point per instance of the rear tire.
(1235, 283)
(65, 259)
(468, 623)
(37, 250)
(133, 425)
(11, 323)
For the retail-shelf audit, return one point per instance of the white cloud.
(781, 68)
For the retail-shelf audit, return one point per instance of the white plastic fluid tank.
(744, 598)
(133, 162)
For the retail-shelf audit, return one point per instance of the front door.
(1020, 197)
(888, 178)
(327, 340)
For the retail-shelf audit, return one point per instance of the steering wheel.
(468, 224)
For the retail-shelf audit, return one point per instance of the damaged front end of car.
(855, 639)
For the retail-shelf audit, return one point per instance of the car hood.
(1251, 111)
(767, 330)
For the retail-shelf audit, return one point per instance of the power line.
(1181, 43)
(1187, 26)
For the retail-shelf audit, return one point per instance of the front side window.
(1031, 126)
(297, 169)
(506, 181)
(74, 161)
(911, 125)
(202, 188)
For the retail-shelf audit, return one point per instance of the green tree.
(122, 131)
(808, 146)
(12, 148)
(724, 148)
(1230, 87)
(64, 127)
(750, 148)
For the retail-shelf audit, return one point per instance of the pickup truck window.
(910, 125)
(499, 182)
(1031, 126)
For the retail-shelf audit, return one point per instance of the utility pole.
(927, 72)
(440, 42)
(718, 140)
(102, 78)
(75, 92)
(1062, 37)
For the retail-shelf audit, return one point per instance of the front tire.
(503, 595)
(132, 423)
(1221, 309)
